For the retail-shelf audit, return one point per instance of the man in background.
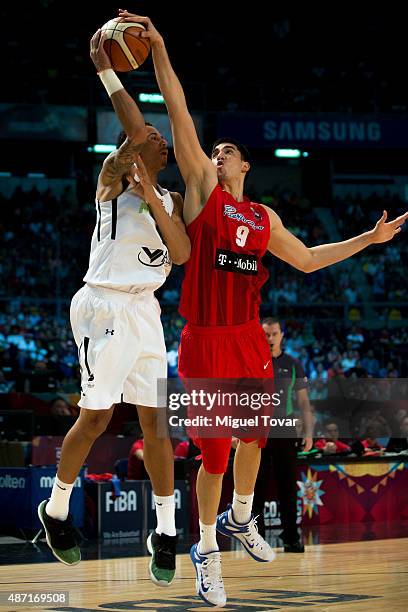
(281, 448)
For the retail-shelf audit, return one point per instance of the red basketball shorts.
(233, 354)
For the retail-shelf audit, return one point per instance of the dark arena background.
(320, 98)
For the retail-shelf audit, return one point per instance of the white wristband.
(110, 81)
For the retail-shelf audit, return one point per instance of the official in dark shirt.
(281, 449)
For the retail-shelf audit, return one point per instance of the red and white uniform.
(220, 300)
(217, 289)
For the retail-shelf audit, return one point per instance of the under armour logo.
(109, 331)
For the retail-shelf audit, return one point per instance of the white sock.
(208, 539)
(242, 507)
(165, 509)
(58, 505)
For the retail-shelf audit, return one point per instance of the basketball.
(126, 50)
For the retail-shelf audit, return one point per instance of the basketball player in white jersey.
(116, 323)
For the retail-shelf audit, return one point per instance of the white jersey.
(127, 251)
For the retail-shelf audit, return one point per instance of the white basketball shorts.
(121, 347)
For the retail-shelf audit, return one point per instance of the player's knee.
(215, 467)
(249, 444)
(94, 424)
(148, 420)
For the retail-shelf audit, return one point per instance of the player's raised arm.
(287, 247)
(191, 159)
(118, 163)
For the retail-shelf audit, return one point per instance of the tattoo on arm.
(119, 163)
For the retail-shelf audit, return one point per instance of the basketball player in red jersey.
(220, 298)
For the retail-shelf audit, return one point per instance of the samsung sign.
(322, 131)
(318, 130)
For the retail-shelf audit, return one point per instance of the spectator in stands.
(350, 294)
(330, 443)
(401, 414)
(372, 446)
(389, 371)
(60, 407)
(370, 363)
(5, 385)
(172, 360)
(349, 360)
(136, 469)
(336, 369)
(355, 338)
(318, 382)
(319, 374)
(399, 444)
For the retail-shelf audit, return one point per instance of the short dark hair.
(122, 136)
(271, 321)
(330, 422)
(245, 155)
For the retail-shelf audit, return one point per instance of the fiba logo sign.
(126, 502)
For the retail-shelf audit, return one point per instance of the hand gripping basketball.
(97, 52)
(124, 44)
(150, 31)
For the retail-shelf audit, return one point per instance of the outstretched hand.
(97, 52)
(151, 33)
(386, 231)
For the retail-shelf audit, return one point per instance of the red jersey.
(224, 274)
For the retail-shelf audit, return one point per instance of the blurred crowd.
(44, 254)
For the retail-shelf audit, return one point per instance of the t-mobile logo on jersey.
(236, 262)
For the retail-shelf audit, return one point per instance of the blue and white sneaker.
(209, 584)
(247, 534)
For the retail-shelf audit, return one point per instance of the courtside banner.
(360, 408)
(315, 130)
(123, 515)
(22, 489)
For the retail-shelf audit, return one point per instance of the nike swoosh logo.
(62, 488)
(241, 502)
(157, 504)
(266, 365)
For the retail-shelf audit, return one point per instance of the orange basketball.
(126, 50)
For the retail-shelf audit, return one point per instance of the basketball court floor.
(355, 576)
